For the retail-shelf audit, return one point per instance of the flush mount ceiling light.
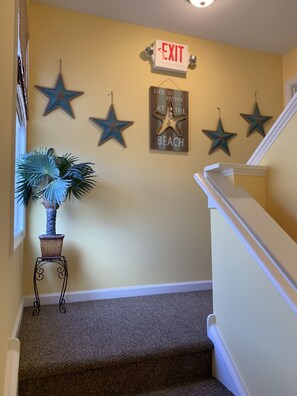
(201, 3)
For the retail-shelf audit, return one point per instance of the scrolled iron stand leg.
(38, 275)
(63, 274)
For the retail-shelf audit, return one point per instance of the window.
(291, 88)
(19, 209)
(21, 111)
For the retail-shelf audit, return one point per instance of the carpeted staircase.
(151, 345)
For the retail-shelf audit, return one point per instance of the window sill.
(18, 239)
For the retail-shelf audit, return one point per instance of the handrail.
(274, 131)
(271, 247)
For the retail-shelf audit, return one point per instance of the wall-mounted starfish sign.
(219, 138)
(256, 121)
(59, 97)
(112, 128)
(169, 120)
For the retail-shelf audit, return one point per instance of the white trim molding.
(18, 239)
(230, 169)
(224, 368)
(12, 368)
(267, 242)
(18, 320)
(120, 292)
(274, 132)
(13, 357)
(288, 88)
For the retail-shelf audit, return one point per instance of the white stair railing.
(272, 248)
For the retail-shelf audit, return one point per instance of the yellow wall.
(146, 222)
(254, 185)
(256, 323)
(281, 176)
(11, 262)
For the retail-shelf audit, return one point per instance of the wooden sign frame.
(168, 119)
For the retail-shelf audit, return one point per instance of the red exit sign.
(171, 56)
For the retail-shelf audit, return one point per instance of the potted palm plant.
(44, 176)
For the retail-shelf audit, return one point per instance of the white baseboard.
(17, 323)
(120, 292)
(224, 368)
(12, 368)
(13, 357)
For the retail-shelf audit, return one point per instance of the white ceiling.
(264, 25)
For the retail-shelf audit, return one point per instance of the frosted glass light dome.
(201, 3)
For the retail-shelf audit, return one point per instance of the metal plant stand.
(38, 275)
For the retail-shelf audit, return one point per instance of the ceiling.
(263, 25)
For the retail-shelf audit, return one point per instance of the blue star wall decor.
(256, 121)
(59, 97)
(112, 128)
(219, 138)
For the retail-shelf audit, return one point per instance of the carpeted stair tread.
(205, 387)
(143, 346)
(105, 333)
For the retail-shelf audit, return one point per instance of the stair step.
(116, 347)
(205, 387)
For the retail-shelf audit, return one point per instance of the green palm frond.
(65, 162)
(23, 192)
(56, 191)
(43, 175)
(37, 168)
(82, 179)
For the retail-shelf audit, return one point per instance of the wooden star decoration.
(169, 120)
(219, 138)
(112, 128)
(59, 97)
(256, 121)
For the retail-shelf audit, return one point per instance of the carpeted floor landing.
(151, 345)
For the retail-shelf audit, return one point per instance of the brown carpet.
(118, 347)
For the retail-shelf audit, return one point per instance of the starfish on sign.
(59, 97)
(112, 128)
(256, 121)
(219, 138)
(169, 120)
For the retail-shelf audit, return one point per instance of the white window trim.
(288, 88)
(19, 216)
(19, 209)
(18, 239)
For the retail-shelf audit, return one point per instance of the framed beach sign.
(168, 119)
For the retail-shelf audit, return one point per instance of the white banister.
(274, 131)
(272, 248)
